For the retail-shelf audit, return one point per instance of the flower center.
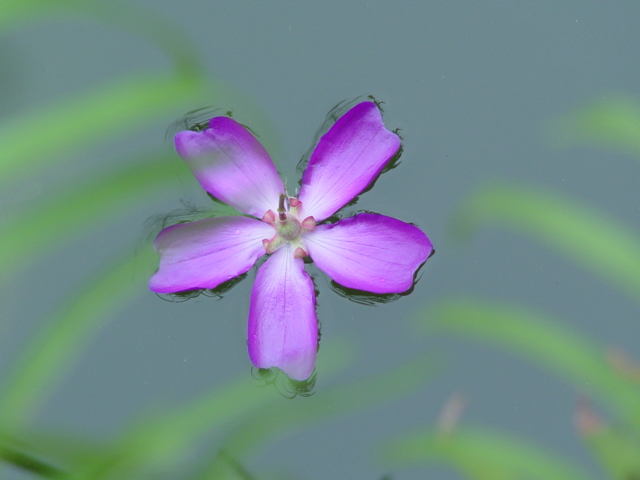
(289, 229)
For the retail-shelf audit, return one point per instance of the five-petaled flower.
(368, 251)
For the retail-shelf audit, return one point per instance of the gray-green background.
(471, 85)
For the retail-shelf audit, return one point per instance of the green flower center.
(289, 229)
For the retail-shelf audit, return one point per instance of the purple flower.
(368, 252)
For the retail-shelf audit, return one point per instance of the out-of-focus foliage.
(612, 122)
(72, 123)
(589, 237)
(280, 418)
(70, 212)
(55, 347)
(593, 240)
(543, 340)
(484, 455)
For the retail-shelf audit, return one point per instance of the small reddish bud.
(299, 253)
(294, 202)
(586, 420)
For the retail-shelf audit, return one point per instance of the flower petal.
(369, 252)
(232, 166)
(208, 252)
(347, 159)
(283, 328)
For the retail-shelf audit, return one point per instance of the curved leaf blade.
(155, 445)
(543, 340)
(69, 212)
(482, 454)
(588, 237)
(73, 123)
(612, 122)
(55, 348)
(278, 419)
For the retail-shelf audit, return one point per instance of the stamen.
(269, 217)
(309, 223)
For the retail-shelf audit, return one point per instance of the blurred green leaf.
(35, 140)
(72, 211)
(541, 339)
(611, 122)
(24, 460)
(127, 16)
(54, 454)
(155, 445)
(278, 419)
(56, 346)
(618, 451)
(483, 455)
(590, 238)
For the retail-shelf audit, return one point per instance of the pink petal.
(208, 252)
(232, 166)
(369, 252)
(347, 159)
(283, 328)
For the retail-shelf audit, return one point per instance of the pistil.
(282, 208)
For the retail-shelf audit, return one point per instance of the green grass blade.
(543, 340)
(281, 418)
(158, 444)
(588, 237)
(161, 442)
(483, 455)
(127, 16)
(613, 123)
(617, 450)
(36, 140)
(57, 453)
(22, 460)
(55, 348)
(71, 212)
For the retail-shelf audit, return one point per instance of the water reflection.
(196, 120)
(287, 387)
(217, 293)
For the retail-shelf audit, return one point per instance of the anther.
(309, 223)
(269, 217)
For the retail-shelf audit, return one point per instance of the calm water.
(471, 87)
